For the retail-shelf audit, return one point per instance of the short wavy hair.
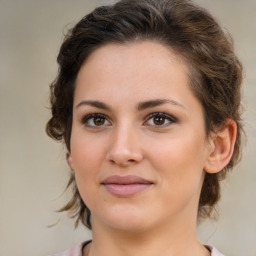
(215, 72)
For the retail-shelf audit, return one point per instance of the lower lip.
(128, 190)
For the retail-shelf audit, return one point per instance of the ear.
(222, 144)
(69, 160)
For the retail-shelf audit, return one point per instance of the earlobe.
(223, 142)
(69, 160)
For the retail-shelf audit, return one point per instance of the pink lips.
(125, 186)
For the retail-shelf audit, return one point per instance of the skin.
(171, 151)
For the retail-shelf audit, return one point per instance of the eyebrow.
(157, 102)
(141, 106)
(94, 103)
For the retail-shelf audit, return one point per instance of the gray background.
(33, 172)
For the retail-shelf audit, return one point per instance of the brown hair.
(215, 71)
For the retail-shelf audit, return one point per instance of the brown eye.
(96, 120)
(159, 120)
(99, 121)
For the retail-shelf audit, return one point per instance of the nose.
(124, 149)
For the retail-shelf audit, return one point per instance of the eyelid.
(89, 116)
(169, 117)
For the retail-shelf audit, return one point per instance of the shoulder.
(73, 251)
(214, 251)
(78, 249)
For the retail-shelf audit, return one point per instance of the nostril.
(123, 162)
(123, 157)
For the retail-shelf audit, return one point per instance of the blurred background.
(33, 171)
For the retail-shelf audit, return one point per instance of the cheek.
(86, 152)
(87, 156)
(86, 174)
(180, 161)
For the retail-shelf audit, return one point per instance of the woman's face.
(138, 143)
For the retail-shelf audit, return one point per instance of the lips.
(125, 186)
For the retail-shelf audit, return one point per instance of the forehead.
(144, 64)
(141, 45)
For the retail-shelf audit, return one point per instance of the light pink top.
(77, 251)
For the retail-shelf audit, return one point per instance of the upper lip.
(125, 180)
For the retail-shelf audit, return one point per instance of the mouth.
(126, 186)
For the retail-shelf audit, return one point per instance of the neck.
(174, 240)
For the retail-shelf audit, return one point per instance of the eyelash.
(92, 117)
(162, 115)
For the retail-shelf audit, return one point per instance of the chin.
(128, 219)
(129, 225)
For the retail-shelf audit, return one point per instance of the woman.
(147, 101)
